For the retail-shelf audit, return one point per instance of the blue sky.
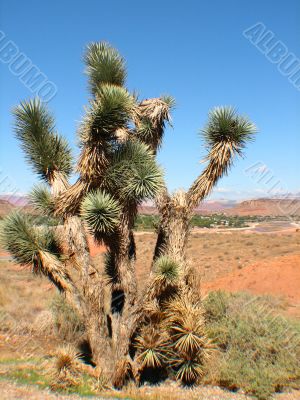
(193, 50)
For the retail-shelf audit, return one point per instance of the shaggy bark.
(174, 227)
(106, 330)
(92, 285)
(123, 290)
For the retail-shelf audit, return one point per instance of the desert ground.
(262, 260)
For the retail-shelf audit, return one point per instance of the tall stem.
(91, 283)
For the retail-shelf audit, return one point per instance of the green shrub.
(260, 348)
(146, 222)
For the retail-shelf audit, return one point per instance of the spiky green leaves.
(226, 135)
(190, 346)
(166, 280)
(170, 102)
(35, 245)
(101, 213)
(104, 65)
(45, 150)
(177, 339)
(111, 110)
(225, 126)
(143, 182)
(189, 370)
(41, 198)
(152, 347)
(23, 240)
(167, 269)
(133, 175)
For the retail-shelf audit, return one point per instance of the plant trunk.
(91, 283)
(174, 228)
(123, 294)
(96, 324)
(92, 287)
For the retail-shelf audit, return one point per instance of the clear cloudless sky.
(193, 50)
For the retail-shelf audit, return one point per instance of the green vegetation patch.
(30, 373)
(27, 375)
(259, 348)
(146, 222)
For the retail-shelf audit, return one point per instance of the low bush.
(260, 348)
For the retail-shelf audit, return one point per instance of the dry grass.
(65, 371)
(26, 295)
(26, 326)
(67, 324)
(4, 296)
(174, 391)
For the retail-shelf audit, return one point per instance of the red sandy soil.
(95, 249)
(279, 276)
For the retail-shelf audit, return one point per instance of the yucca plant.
(189, 368)
(152, 347)
(152, 353)
(164, 283)
(104, 65)
(191, 347)
(119, 137)
(65, 370)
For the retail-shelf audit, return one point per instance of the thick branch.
(59, 276)
(220, 159)
(151, 119)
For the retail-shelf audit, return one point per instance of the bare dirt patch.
(217, 255)
(278, 276)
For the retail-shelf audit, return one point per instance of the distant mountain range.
(9, 203)
(16, 200)
(257, 207)
(267, 207)
(261, 207)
